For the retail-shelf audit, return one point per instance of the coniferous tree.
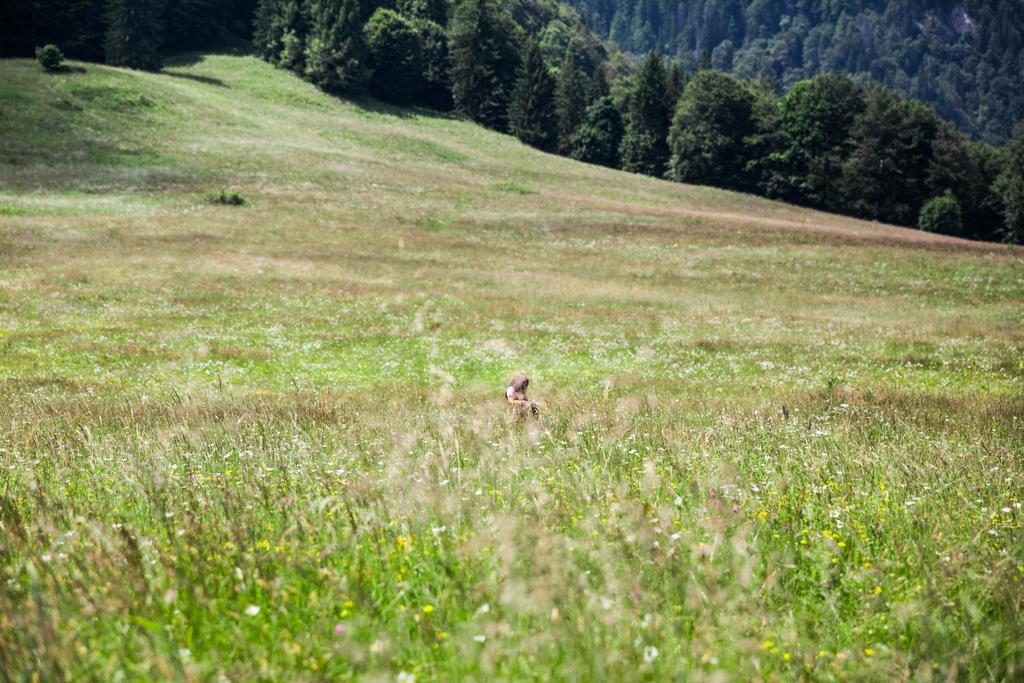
(598, 86)
(645, 143)
(483, 61)
(674, 86)
(293, 29)
(189, 24)
(532, 116)
(83, 23)
(571, 102)
(133, 34)
(705, 59)
(336, 58)
(431, 10)
(265, 30)
(598, 137)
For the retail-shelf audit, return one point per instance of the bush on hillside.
(397, 57)
(50, 57)
(225, 198)
(941, 214)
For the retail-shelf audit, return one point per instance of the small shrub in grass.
(50, 57)
(225, 198)
(941, 214)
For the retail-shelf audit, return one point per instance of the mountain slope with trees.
(964, 58)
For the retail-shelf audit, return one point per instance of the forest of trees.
(533, 69)
(963, 57)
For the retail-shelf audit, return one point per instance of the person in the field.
(516, 396)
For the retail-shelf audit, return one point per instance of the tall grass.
(621, 537)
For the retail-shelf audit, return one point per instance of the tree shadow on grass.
(65, 69)
(371, 106)
(231, 49)
(206, 80)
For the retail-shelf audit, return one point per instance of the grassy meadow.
(269, 442)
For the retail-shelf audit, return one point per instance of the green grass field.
(270, 442)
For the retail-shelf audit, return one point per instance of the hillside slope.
(105, 171)
(270, 442)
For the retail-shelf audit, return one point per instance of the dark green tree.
(705, 60)
(570, 101)
(762, 145)
(712, 122)
(1010, 188)
(816, 118)
(435, 91)
(983, 207)
(598, 137)
(532, 116)
(397, 57)
(50, 57)
(190, 24)
(645, 143)
(431, 10)
(134, 32)
(941, 214)
(266, 30)
(674, 85)
(598, 86)
(337, 58)
(885, 176)
(483, 61)
(286, 34)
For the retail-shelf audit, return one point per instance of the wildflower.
(767, 645)
(786, 656)
(340, 629)
(406, 677)
(869, 652)
(878, 590)
(184, 653)
(427, 609)
(480, 638)
(484, 608)
(252, 610)
(650, 654)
